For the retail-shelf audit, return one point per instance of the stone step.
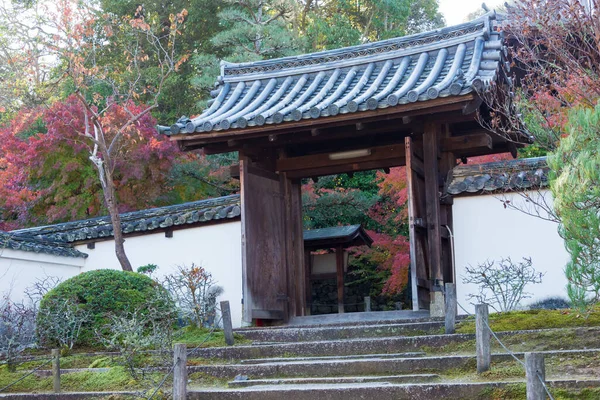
(359, 367)
(345, 347)
(354, 319)
(293, 359)
(375, 390)
(342, 332)
(415, 378)
(384, 345)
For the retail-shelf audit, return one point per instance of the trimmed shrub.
(551, 303)
(99, 295)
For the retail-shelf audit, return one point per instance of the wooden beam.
(325, 160)
(346, 168)
(432, 198)
(466, 142)
(339, 264)
(438, 105)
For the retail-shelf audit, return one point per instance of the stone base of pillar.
(437, 307)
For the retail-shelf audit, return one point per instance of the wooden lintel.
(439, 105)
(325, 160)
(466, 142)
(314, 173)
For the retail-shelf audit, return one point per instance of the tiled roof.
(140, 221)
(513, 175)
(35, 245)
(351, 235)
(452, 61)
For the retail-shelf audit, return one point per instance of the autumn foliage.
(49, 178)
(377, 201)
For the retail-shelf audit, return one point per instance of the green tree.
(179, 96)
(252, 30)
(575, 184)
(339, 23)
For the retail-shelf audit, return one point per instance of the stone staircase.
(383, 358)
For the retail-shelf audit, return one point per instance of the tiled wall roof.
(513, 175)
(220, 208)
(35, 245)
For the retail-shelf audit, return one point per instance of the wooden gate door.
(263, 244)
(419, 262)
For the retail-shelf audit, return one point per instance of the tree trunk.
(108, 188)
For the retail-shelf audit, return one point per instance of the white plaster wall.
(216, 247)
(21, 269)
(485, 230)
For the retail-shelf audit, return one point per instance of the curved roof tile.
(137, 221)
(36, 245)
(513, 175)
(446, 62)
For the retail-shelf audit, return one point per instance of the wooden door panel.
(419, 262)
(263, 244)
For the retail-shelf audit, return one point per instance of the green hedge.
(100, 294)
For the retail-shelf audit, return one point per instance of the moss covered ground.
(534, 319)
(557, 339)
(193, 336)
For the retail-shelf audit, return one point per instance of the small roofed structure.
(414, 101)
(345, 236)
(338, 238)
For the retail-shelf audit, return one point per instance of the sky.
(455, 11)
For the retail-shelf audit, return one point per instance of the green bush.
(575, 185)
(97, 296)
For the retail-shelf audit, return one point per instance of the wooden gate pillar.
(431, 137)
(446, 165)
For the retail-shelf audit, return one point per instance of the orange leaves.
(181, 60)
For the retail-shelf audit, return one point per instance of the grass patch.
(116, 379)
(194, 336)
(534, 319)
(514, 391)
(558, 339)
(576, 394)
(205, 380)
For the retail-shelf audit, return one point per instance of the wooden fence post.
(180, 371)
(227, 327)
(56, 370)
(451, 307)
(367, 303)
(535, 371)
(482, 338)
